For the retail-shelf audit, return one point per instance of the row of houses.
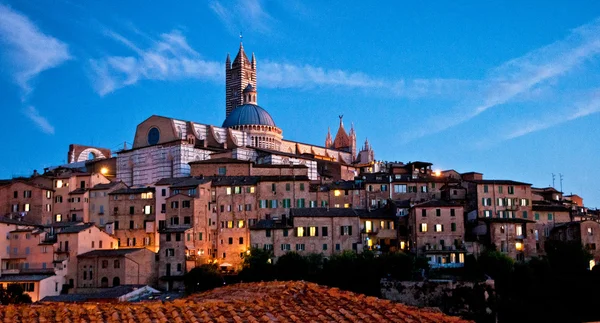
(75, 230)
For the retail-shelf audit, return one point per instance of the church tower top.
(238, 75)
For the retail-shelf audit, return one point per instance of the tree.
(202, 278)
(567, 257)
(292, 266)
(257, 266)
(13, 294)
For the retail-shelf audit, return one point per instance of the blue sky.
(507, 88)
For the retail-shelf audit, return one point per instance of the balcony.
(447, 265)
(512, 207)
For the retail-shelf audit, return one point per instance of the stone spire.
(238, 75)
(328, 140)
(341, 138)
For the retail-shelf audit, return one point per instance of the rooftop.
(220, 160)
(110, 252)
(249, 302)
(106, 186)
(323, 212)
(76, 228)
(23, 278)
(497, 182)
(137, 190)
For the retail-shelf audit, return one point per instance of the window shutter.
(349, 230)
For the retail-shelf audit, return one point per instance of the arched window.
(116, 281)
(104, 282)
(91, 156)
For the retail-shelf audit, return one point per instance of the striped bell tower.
(238, 75)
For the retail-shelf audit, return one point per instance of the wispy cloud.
(170, 57)
(243, 15)
(40, 121)
(167, 58)
(520, 76)
(28, 50)
(580, 109)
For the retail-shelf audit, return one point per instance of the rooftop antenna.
(561, 180)
(553, 177)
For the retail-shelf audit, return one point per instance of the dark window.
(187, 220)
(285, 232)
(131, 210)
(423, 213)
(177, 236)
(131, 225)
(241, 240)
(230, 240)
(324, 231)
(164, 192)
(116, 281)
(116, 225)
(117, 264)
(438, 212)
(168, 237)
(15, 194)
(452, 212)
(268, 232)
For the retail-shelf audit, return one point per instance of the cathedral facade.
(163, 147)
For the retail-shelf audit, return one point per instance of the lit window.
(519, 246)
(368, 226)
(26, 208)
(312, 231)
(402, 245)
(423, 227)
(58, 217)
(346, 205)
(240, 223)
(59, 183)
(146, 196)
(439, 228)
(300, 231)
(229, 224)
(337, 192)
(590, 232)
(519, 230)
(228, 190)
(147, 209)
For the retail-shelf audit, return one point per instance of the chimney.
(35, 173)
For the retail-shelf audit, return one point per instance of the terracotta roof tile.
(250, 302)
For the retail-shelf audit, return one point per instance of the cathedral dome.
(248, 114)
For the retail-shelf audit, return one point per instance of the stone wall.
(471, 300)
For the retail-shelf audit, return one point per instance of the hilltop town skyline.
(417, 88)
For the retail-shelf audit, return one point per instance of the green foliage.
(496, 264)
(292, 266)
(257, 266)
(567, 257)
(13, 294)
(202, 278)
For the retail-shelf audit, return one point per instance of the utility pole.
(561, 180)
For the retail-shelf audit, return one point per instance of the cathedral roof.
(241, 56)
(341, 138)
(248, 114)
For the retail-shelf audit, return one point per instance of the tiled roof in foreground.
(250, 302)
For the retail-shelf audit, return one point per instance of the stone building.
(436, 230)
(379, 229)
(108, 268)
(75, 240)
(164, 147)
(100, 202)
(29, 199)
(586, 232)
(311, 230)
(132, 214)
